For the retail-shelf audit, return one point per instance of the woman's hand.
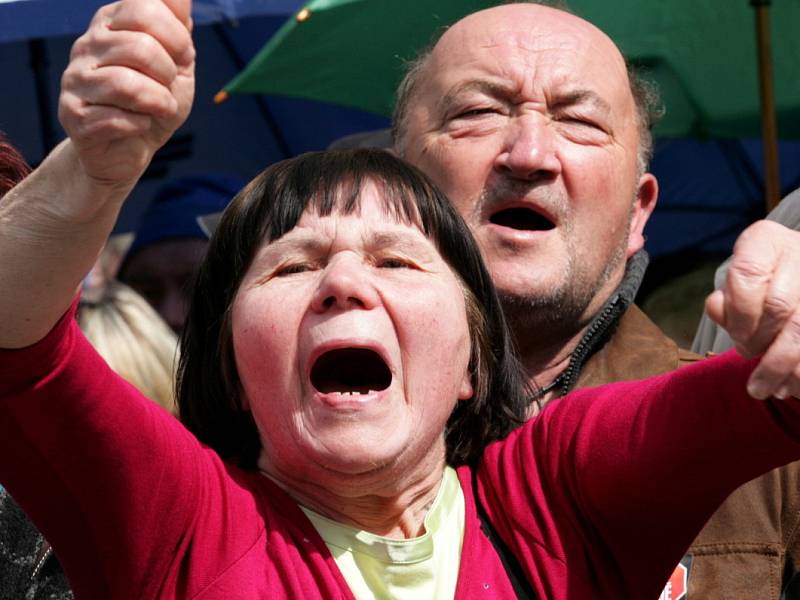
(129, 85)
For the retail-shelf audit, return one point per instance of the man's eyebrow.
(499, 90)
(578, 97)
(490, 88)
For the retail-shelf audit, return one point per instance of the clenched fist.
(759, 306)
(129, 85)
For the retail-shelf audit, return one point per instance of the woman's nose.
(345, 283)
(530, 149)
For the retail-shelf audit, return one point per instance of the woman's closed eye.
(395, 262)
(292, 269)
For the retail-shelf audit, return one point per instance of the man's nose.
(529, 150)
(345, 283)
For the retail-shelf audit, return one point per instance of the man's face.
(524, 117)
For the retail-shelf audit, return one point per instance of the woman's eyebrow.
(403, 241)
(302, 242)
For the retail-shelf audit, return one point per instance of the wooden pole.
(769, 126)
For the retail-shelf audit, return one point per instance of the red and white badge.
(678, 585)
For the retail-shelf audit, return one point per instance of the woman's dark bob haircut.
(270, 206)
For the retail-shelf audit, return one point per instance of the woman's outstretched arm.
(129, 85)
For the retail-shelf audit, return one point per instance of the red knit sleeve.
(617, 481)
(114, 482)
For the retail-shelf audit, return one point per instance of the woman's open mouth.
(522, 219)
(350, 371)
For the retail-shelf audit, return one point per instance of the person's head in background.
(132, 338)
(169, 243)
(13, 167)
(529, 119)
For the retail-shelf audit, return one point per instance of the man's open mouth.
(521, 218)
(350, 371)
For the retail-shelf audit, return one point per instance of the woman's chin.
(363, 455)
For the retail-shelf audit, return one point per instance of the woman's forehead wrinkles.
(381, 228)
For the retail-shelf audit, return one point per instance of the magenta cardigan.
(597, 498)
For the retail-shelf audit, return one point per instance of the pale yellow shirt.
(413, 569)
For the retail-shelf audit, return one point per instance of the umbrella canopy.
(24, 19)
(238, 138)
(702, 54)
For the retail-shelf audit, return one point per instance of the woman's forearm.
(122, 97)
(52, 228)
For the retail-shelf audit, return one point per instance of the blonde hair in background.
(132, 338)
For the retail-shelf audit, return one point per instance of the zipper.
(48, 550)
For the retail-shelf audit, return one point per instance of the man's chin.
(547, 314)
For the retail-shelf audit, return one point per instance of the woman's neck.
(387, 502)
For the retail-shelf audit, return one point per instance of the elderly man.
(529, 119)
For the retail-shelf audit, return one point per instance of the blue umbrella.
(239, 137)
(35, 20)
(25, 19)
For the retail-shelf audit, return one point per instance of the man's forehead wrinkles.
(529, 38)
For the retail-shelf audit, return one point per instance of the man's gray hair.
(649, 108)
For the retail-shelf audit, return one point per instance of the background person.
(132, 339)
(710, 337)
(13, 167)
(169, 243)
(550, 172)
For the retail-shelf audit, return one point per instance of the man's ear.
(643, 206)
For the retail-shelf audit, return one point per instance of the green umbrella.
(703, 53)
(348, 52)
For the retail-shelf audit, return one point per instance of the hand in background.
(759, 306)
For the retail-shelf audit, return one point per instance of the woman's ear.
(465, 391)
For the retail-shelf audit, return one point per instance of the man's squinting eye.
(476, 112)
(578, 121)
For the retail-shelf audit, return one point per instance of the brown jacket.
(750, 547)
